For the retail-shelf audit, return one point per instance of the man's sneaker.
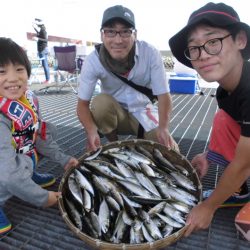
(5, 225)
(237, 200)
(44, 180)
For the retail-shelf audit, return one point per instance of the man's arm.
(231, 180)
(88, 123)
(164, 109)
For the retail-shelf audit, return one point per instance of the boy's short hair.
(11, 52)
(215, 14)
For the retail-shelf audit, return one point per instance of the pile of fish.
(129, 195)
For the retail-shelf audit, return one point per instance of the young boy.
(24, 137)
(217, 45)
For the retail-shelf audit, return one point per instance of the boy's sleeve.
(16, 171)
(47, 146)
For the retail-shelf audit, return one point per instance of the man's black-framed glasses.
(124, 33)
(212, 47)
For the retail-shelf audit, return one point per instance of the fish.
(104, 216)
(167, 230)
(129, 195)
(147, 169)
(183, 181)
(104, 168)
(144, 151)
(119, 229)
(146, 183)
(164, 163)
(157, 208)
(75, 189)
(83, 182)
(76, 216)
(93, 155)
(135, 189)
(169, 221)
(173, 213)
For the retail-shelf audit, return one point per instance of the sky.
(156, 20)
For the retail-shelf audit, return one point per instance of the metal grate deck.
(39, 229)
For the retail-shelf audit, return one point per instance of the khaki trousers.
(109, 116)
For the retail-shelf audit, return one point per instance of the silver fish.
(181, 169)
(95, 222)
(93, 155)
(75, 189)
(83, 182)
(104, 168)
(124, 168)
(167, 230)
(136, 236)
(182, 207)
(97, 181)
(173, 213)
(87, 200)
(170, 221)
(113, 204)
(76, 216)
(146, 234)
(162, 160)
(183, 181)
(146, 183)
(136, 189)
(147, 170)
(104, 216)
(119, 230)
(126, 218)
(138, 156)
(144, 151)
(128, 160)
(153, 230)
(157, 208)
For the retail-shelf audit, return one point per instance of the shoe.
(242, 221)
(46, 82)
(237, 200)
(5, 225)
(43, 180)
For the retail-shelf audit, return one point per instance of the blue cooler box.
(183, 83)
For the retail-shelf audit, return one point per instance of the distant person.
(217, 45)
(120, 109)
(24, 137)
(42, 46)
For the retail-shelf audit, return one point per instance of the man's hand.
(201, 164)
(93, 141)
(71, 163)
(52, 199)
(199, 218)
(166, 139)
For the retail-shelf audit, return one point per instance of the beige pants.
(109, 116)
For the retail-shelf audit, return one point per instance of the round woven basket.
(173, 157)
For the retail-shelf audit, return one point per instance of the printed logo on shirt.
(18, 112)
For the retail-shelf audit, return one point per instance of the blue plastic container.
(183, 84)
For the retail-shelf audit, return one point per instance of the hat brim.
(178, 43)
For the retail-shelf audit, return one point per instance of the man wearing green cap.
(217, 45)
(130, 72)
